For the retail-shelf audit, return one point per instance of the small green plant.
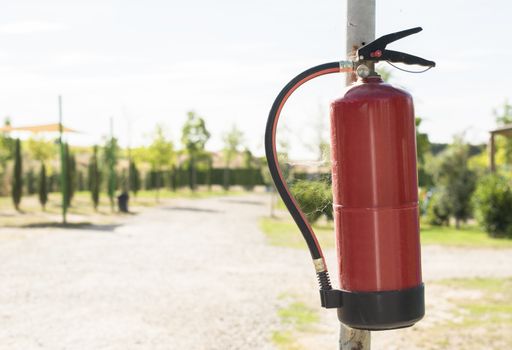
(493, 202)
(314, 198)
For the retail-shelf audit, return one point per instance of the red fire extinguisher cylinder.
(375, 191)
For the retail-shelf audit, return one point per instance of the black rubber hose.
(271, 154)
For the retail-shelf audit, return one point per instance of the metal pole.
(351, 339)
(360, 28)
(360, 31)
(63, 165)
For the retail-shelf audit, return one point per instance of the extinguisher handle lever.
(375, 51)
(402, 57)
(383, 41)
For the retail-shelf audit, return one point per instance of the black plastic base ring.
(382, 310)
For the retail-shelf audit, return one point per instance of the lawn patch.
(297, 319)
(283, 232)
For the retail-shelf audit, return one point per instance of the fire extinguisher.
(375, 193)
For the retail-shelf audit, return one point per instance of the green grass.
(492, 305)
(285, 340)
(483, 307)
(467, 236)
(299, 315)
(296, 318)
(284, 233)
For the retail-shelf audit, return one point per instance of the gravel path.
(194, 274)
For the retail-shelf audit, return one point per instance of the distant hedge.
(180, 178)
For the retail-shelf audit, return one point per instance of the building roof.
(504, 130)
(36, 128)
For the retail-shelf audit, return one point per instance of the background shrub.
(438, 209)
(493, 202)
(314, 198)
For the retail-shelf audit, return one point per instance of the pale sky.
(151, 61)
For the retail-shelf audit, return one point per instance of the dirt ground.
(190, 274)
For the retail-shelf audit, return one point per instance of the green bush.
(438, 209)
(493, 202)
(314, 198)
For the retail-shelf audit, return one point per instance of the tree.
(438, 210)
(232, 141)
(40, 149)
(17, 179)
(194, 136)
(161, 156)
(422, 150)
(42, 187)
(71, 176)
(504, 117)
(453, 175)
(94, 178)
(110, 151)
(134, 178)
(7, 146)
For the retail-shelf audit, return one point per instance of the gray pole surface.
(360, 31)
(351, 339)
(360, 27)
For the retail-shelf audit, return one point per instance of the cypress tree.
(134, 178)
(94, 178)
(43, 189)
(17, 179)
(71, 173)
(112, 178)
